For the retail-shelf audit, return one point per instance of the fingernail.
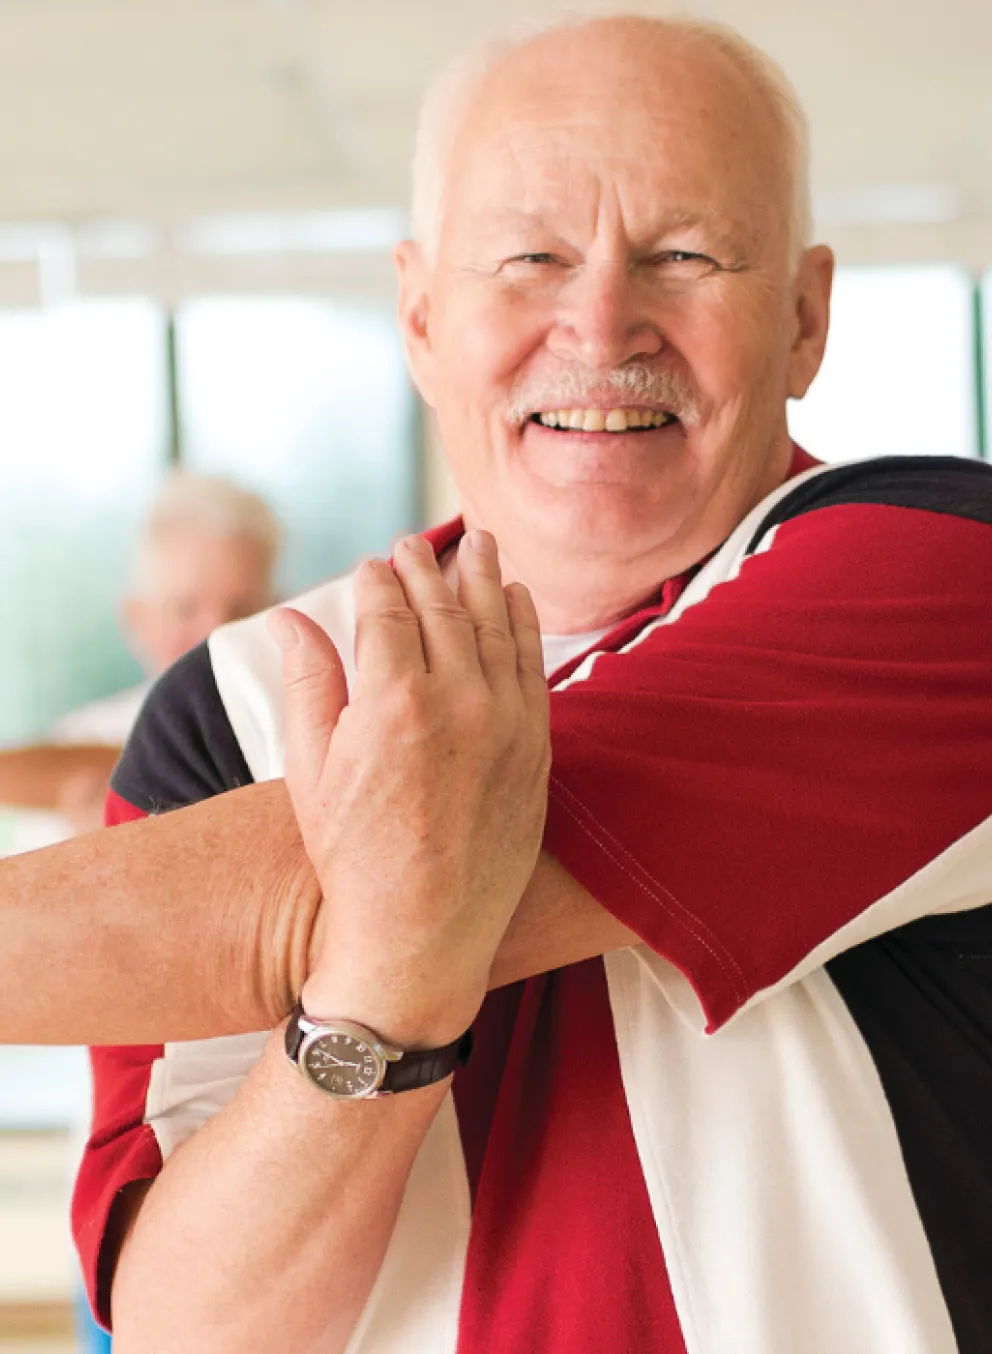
(284, 630)
(482, 542)
(416, 545)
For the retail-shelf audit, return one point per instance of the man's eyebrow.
(684, 220)
(724, 234)
(510, 216)
(728, 236)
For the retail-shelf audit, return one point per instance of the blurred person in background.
(207, 555)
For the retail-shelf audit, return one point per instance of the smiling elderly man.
(746, 1102)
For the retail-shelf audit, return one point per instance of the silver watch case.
(329, 1047)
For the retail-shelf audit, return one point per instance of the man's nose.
(602, 320)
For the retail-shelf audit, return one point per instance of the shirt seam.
(651, 886)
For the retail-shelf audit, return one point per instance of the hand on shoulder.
(421, 797)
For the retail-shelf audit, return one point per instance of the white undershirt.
(561, 649)
(558, 649)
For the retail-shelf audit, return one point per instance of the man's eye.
(684, 256)
(533, 258)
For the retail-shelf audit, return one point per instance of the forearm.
(192, 924)
(332, 1174)
(34, 777)
(119, 936)
(557, 922)
(267, 1229)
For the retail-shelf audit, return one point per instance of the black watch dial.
(342, 1064)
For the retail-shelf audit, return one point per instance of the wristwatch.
(350, 1062)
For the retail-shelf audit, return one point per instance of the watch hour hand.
(338, 1062)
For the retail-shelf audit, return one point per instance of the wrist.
(309, 1109)
(349, 1061)
(403, 1015)
(289, 911)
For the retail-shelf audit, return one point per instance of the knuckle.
(409, 710)
(374, 622)
(493, 634)
(396, 614)
(406, 698)
(531, 667)
(447, 612)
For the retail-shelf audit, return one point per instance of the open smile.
(604, 420)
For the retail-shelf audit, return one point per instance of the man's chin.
(590, 519)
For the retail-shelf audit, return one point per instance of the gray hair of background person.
(214, 506)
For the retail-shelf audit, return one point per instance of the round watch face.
(342, 1064)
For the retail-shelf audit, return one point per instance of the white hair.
(213, 506)
(446, 100)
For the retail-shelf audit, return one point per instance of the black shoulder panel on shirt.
(182, 748)
(922, 999)
(945, 484)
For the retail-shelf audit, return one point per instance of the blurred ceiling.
(160, 111)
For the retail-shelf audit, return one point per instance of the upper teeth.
(606, 420)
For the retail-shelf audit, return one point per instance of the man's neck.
(566, 607)
(579, 593)
(570, 600)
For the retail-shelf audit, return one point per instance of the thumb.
(315, 691)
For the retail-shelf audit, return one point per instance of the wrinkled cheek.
(487, 347)
(480, 360)
(729, 343)
(468, 374)
(738, 391)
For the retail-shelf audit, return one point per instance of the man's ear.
(413, 276)
(811, 299)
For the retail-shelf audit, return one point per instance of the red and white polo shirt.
(767, 1129)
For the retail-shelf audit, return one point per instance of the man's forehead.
(608, 76)
(535, 134)
(512, 176)
(548, 125)
(554, 218)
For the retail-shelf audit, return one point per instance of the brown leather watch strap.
(294, 1035)
(419, 1068)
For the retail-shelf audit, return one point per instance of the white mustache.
(635, 385)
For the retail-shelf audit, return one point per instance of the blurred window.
(985, 363)
(306, 401)
(43, 1088)
(900, 373)
(83, 438)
